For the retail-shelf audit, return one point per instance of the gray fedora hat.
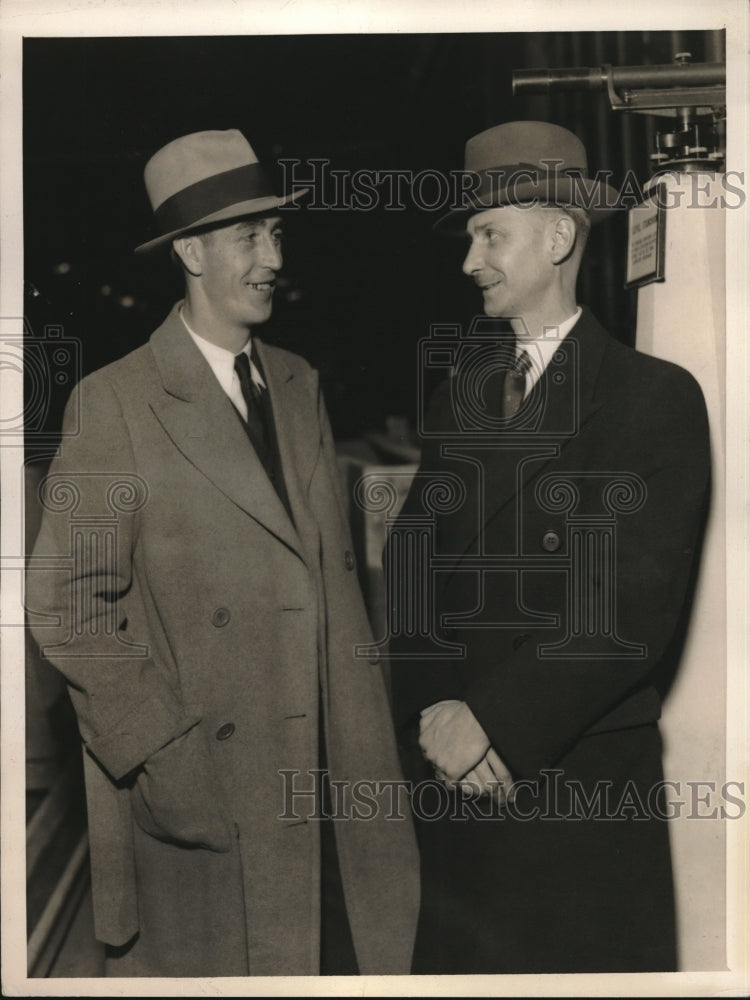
(529, 162)
(206, 178)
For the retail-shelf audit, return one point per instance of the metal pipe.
(543, 81)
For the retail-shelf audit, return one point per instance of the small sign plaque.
(646, 225)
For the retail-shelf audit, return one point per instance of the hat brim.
(599, 200)
(240, 210)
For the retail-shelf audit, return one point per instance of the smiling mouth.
(262, 286)
(492, 284)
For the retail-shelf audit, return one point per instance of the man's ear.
(190, 251)
(563, 239)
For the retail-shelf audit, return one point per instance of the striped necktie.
(514, 385)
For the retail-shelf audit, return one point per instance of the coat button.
(348, 559)
(374, 660)
(551, 541)
(520, 640)
(225, 731)
(221, 617)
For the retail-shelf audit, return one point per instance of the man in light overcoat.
(195, 573)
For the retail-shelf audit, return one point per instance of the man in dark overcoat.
(563, 486)
(195, 573)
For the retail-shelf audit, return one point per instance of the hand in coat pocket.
(175, 796)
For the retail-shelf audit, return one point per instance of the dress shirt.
(542, 349)
(221, 362)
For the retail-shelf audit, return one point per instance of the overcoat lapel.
(297, 435)
(550, 423)
(201, 421)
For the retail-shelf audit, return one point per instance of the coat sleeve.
(78, 582)
(534, 709)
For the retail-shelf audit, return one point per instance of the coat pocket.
(176, 796)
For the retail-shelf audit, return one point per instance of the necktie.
(256, 424)
(515, 385)
(260, 425)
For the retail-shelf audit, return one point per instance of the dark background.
(362, 287)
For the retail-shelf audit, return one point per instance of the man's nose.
(472, 260)
(269, 254)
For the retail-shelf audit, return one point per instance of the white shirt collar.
(221, 360)
(542, 349)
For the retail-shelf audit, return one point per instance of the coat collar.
(203, 424)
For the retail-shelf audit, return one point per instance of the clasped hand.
(459, 750)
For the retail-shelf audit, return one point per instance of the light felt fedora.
(529, 162)
(206, 178)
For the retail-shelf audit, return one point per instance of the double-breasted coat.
(592, 507)
(192, 616)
